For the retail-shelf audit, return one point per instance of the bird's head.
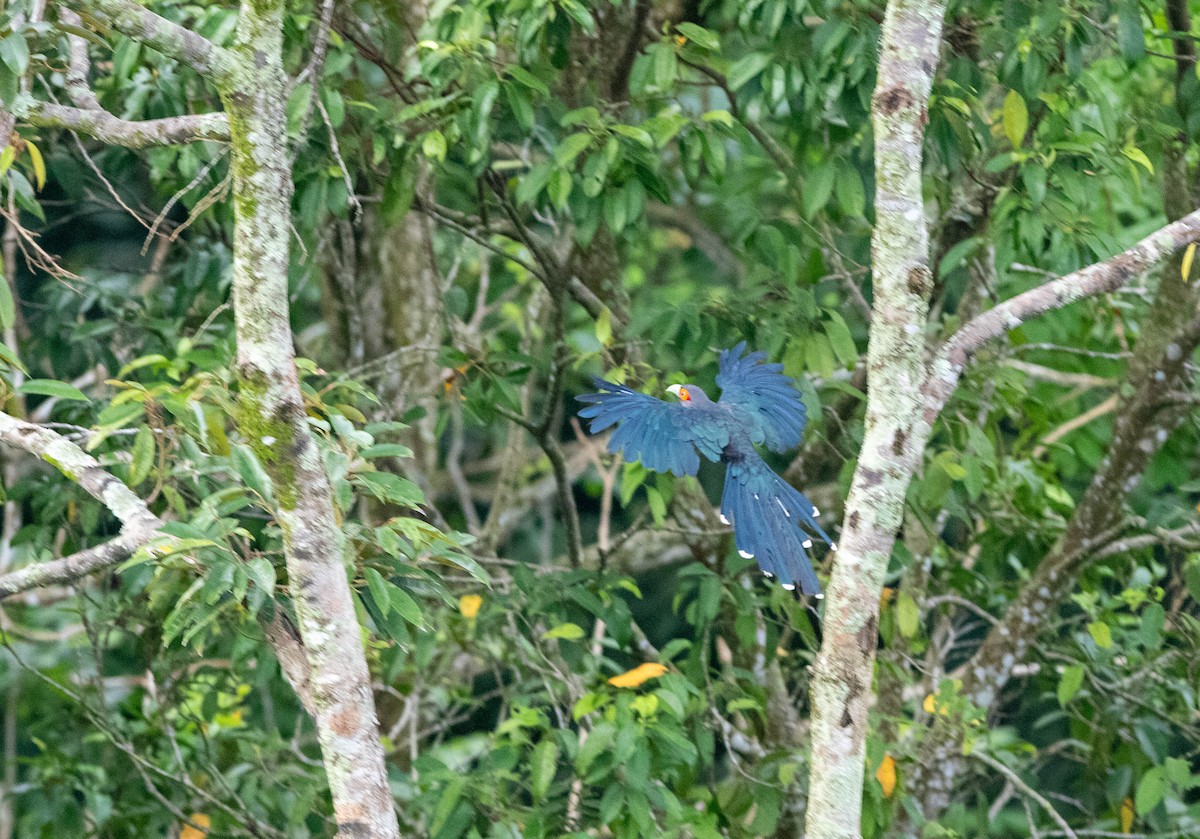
(688, 394)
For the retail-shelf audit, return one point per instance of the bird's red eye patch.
(684, 396)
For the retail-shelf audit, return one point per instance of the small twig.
(337, 156)
(195, 182)
(1016, 781)
(1106, 407)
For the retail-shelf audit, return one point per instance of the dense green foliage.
(546, 189)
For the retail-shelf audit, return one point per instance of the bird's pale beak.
(674, 390)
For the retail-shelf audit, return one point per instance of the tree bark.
(890, 453)
(272, 417)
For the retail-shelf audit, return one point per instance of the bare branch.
(1015, 780)
(1106, 407)
(77, 85)
(1098, 278)
(73, 567)
(171, 39)
(1059, 377)
(139, 524)
(101, 125)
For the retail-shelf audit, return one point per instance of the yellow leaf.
(930, 704)
(469, 605)
(1185, 267)
(886, 775)
(190, 832)
(1126, 814)
(641, 673)
(39, 164)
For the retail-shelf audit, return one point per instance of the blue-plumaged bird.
(772, 521)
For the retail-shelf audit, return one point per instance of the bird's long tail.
(772, 522)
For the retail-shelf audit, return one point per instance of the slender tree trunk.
(890, 453)
(273, 420)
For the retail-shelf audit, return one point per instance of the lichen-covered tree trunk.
(273, 419)
(890, 451)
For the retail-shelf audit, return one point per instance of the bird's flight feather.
(772, 521)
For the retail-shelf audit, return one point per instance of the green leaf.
(700, 36)
(598, 742)
(379, 590)
(665, 66)
(571, 147)
(1138, 156)
(246, 463)
(1016, 118)
(528, 79)
(532, 183)
(542, 767)
(8, 306)
(1129, 33)
(1191, 577)
(14, 52)
(404, 605)
(39, 164)
(658, 506)
(9, 357)
(908, 616)
(262, 573)
(433, 146)
(746, 68)
(385, 450)
(143, 456)
(559, 188)
(840, 339)
(391, 488)
(1101, 633)
(55, 389)
(1069, 683)
(565, 631)
(466, 563)
(721, 117)
(521, 107)
(1150, 791)
(633, 132)
(604, 327)
(851, 194)
(817, 188)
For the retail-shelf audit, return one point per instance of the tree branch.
(73, 567)
(1098, 278)
(139, 525)
(171, 39)
(101, 125)
(76, 76)
(1016, 781)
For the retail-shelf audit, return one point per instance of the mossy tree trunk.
(272, 417)
(890, 450)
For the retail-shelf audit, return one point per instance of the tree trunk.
(890, 453)
(272, 417)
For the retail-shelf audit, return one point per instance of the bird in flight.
(772, 521)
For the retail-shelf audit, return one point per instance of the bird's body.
(772, 521)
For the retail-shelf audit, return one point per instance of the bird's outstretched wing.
(764, 395)
(663, 436)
